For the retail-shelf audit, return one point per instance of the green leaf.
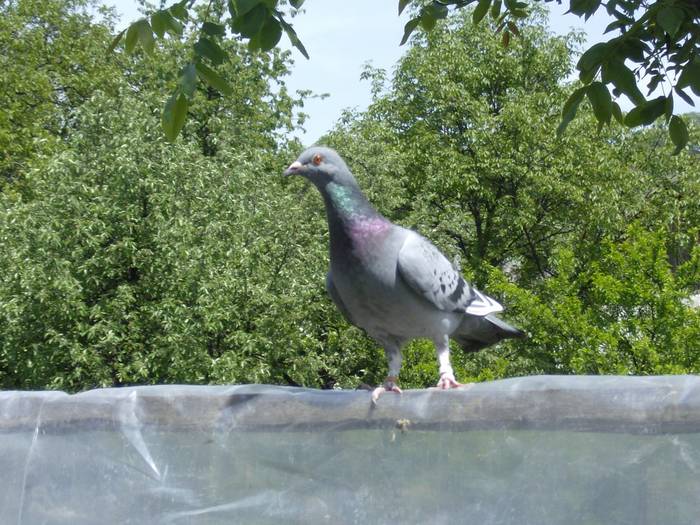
(213, 29)
(402, 5)
(592, 58)
(115, 41)
(622, 77)
(179, 11)
(172, 26)
(617, 113)
(408, 29)
(132, 38)
(617, 24)
(251, 23)
(211, 50)
(146, 36)
(668, 107)
(292, 35)
(174, 115)
(670, 19)
(587, 76)
(430, 14)
(495, 9)
(601, 101)
(632, 48)
(505, 39)
(296, 4)
(188, 79)
(158, 23)
(678, 132)
(212, 78)
(437, 10)
(568, 112)
(428, 21)
(646, 113)
(654, 83)
(684, 96)
(480, 11)
(584, 7)
(690, 76)
(269, 35)
(244, 6)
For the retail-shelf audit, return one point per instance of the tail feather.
(475, 333)
(483, 305)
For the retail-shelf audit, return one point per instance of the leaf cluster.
(661, 41)
(262, 22)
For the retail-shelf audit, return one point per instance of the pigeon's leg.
(447, 375)
(393, 355)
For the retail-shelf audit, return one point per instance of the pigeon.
(391, 281)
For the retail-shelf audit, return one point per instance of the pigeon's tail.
(475, 333)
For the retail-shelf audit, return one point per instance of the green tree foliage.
(205, 30)
(591, 239)
(126, 259)
(660, 39)
(46, 76)
(137, 262)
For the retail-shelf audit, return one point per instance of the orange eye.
(317, 159)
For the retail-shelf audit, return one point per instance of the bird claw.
(447, 381)
(388, 386)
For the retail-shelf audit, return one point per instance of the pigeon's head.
(320, 165)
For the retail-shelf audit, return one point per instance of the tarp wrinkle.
(131, 429)
(25, 471)
(538, 450)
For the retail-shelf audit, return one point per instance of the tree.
(591, 239)
(46, 77)
(661, 38)
(127, 259)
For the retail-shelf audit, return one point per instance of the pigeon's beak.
(293, 169)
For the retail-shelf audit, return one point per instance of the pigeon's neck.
(352, 220)
(347, 202)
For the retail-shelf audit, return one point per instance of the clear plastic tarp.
(536, 450)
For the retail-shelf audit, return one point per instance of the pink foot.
(447, 381)
(388, 386)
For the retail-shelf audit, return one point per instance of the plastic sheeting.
(537, 450)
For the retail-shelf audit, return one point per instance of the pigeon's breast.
(378, 300)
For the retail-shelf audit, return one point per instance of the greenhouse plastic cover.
(537, 450)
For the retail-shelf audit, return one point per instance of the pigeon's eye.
(317, 159)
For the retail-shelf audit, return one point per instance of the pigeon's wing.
(430, 274)
(330, 288)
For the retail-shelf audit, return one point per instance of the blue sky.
(341, 36)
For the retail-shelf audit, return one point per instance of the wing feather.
(428, 272)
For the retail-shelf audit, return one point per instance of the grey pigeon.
(392, 282)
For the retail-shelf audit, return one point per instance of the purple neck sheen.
(361, 227)
(351, 217)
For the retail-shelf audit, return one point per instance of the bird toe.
(388, 386)
(447, 381)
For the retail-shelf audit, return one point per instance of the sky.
(341, 36)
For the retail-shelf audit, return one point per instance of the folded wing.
(430, 274)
